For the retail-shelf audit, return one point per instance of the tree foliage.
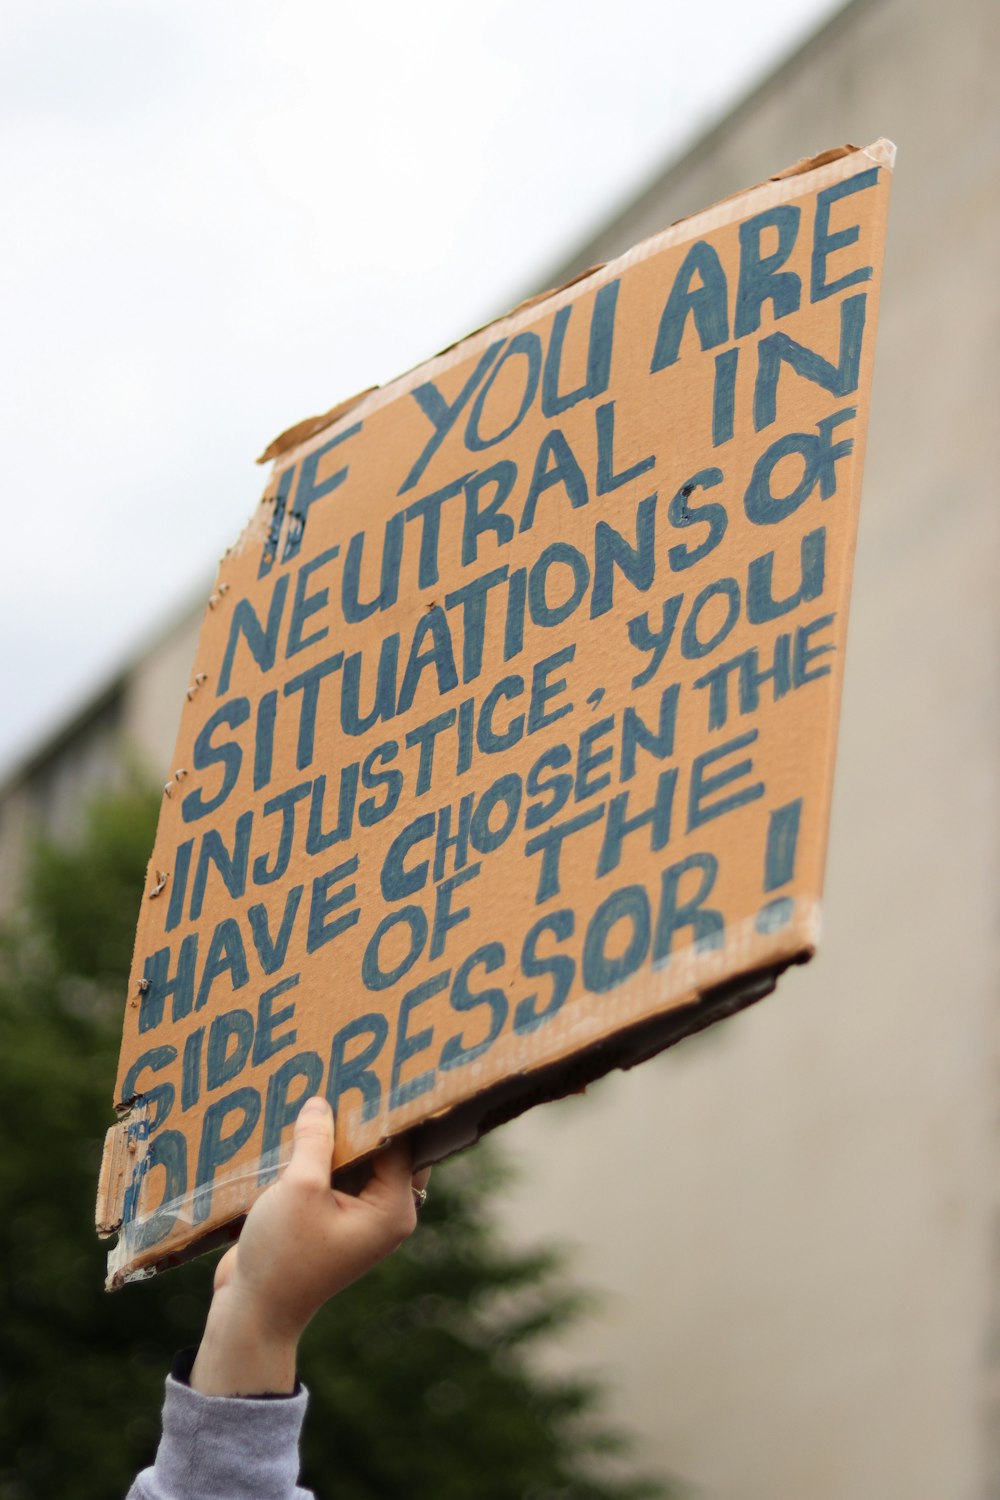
(422, 1380)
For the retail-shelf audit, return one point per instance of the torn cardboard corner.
(293, 436)
(512, 754)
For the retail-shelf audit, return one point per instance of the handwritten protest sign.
(508, 750)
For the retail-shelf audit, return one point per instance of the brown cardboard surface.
(508, 752)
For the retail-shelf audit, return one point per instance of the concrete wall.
(794, 1216)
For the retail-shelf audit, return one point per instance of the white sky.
(221, 216)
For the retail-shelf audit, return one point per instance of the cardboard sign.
(508, 749)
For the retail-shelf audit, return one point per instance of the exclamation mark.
(779, 866)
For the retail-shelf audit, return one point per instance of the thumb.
(312, 1143)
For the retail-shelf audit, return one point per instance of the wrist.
(240, 1355)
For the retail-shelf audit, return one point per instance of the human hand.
(302, 1242)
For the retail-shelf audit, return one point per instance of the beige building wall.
(795, 1216)
(128, 727)
(793, 1219)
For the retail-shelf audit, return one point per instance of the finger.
(420, 1179)
(224, 1270)
(391, 1175)
(312, 1143)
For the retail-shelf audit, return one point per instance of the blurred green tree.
(421, 1377)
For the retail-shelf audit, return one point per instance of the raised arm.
(302, 1242)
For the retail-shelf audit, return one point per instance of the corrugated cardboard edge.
(882, 152)
(111, 1184)
(125, 1146)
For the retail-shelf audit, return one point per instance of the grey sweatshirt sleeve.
(225, 1448)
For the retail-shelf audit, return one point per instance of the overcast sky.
(221, 216)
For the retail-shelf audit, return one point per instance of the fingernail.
(317, 1105)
